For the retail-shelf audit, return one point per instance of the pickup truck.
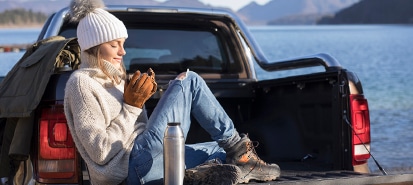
(314, 125)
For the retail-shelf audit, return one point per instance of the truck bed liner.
(338, 177)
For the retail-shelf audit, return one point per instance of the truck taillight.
(56, 157)
(361, 128)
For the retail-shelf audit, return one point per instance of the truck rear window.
(171, 51)
(174, 50)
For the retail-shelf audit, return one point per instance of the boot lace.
(253, 154)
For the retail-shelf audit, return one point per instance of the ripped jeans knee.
(182, 76)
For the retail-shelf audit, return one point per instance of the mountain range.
(273, 12)
(373, 12)
(278, 10)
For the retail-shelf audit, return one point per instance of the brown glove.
(140, 88)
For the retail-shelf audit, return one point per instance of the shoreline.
(31, 26)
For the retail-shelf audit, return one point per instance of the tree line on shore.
(21, 17)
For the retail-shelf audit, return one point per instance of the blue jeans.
(184, 97)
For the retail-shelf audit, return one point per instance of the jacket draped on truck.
(22, 89)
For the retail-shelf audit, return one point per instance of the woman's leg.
(199, 153)
(187, 95)
(212, 117)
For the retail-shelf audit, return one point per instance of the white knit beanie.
(96, 25)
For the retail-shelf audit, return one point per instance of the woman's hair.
(95, 51)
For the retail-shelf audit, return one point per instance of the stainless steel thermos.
(174, 154)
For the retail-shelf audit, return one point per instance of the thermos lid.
(174, 123)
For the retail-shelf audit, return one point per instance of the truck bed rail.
(322, 59)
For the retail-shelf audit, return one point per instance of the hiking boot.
(212, 174)
(243, 155)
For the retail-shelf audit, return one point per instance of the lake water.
(381, 55)
(14, 36)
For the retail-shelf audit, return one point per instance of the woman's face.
(113, 52)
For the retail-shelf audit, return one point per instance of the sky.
(233, 4)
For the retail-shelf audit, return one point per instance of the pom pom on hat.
(96, 25)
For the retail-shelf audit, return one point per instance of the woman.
(108, 122)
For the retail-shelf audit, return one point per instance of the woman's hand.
(139, 88)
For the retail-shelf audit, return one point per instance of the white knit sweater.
(103, 127)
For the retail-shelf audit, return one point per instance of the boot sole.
(262, 178)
